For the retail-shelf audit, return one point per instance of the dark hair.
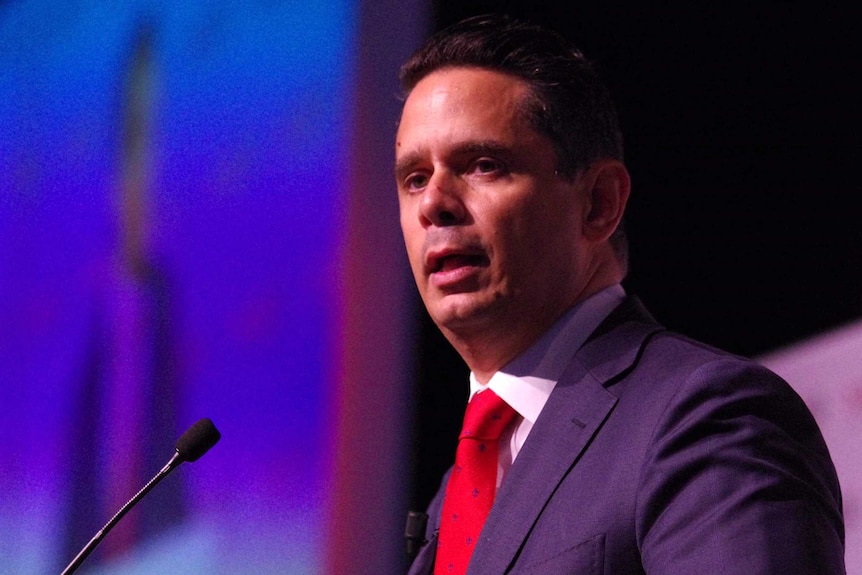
(568, 102)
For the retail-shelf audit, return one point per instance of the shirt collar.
(527, 381)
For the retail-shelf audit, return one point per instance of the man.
(630, 449)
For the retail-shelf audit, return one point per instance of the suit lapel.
(574, 413)
(423, 564)
(571, 417)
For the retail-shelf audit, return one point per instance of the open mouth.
(455, 261)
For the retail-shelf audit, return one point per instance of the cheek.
(518, 227)
(408, 224)
(413, 246)
(532, 236)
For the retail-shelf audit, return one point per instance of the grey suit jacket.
(657, 454)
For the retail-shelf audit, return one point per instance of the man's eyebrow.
(406, 163)
(495, 148)
(483, 147)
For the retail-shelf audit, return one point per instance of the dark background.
(741, 130)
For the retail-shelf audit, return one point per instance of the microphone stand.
(88, 548)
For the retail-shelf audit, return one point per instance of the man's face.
(491, 230)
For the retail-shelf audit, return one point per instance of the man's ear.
(607, 187)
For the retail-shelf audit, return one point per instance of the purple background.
(178, 184)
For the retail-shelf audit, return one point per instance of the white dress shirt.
(526, 382)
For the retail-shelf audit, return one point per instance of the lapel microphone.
(196, 441)
(414, 532)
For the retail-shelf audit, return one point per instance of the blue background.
(176, 242)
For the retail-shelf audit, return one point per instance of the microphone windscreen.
(197, 440)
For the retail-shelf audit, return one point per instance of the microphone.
(414, 532)
(197, 440)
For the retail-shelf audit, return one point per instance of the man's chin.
(461, 313)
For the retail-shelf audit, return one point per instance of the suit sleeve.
(738, 480)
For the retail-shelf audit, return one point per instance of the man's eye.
(487, 166)
(415, 182)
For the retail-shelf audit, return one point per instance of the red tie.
(472, 485)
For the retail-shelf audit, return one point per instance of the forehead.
(463, 103)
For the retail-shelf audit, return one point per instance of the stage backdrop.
(827, 372)
(197, 219)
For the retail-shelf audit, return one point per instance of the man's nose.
(442, 201)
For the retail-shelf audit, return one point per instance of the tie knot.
(486, 417)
